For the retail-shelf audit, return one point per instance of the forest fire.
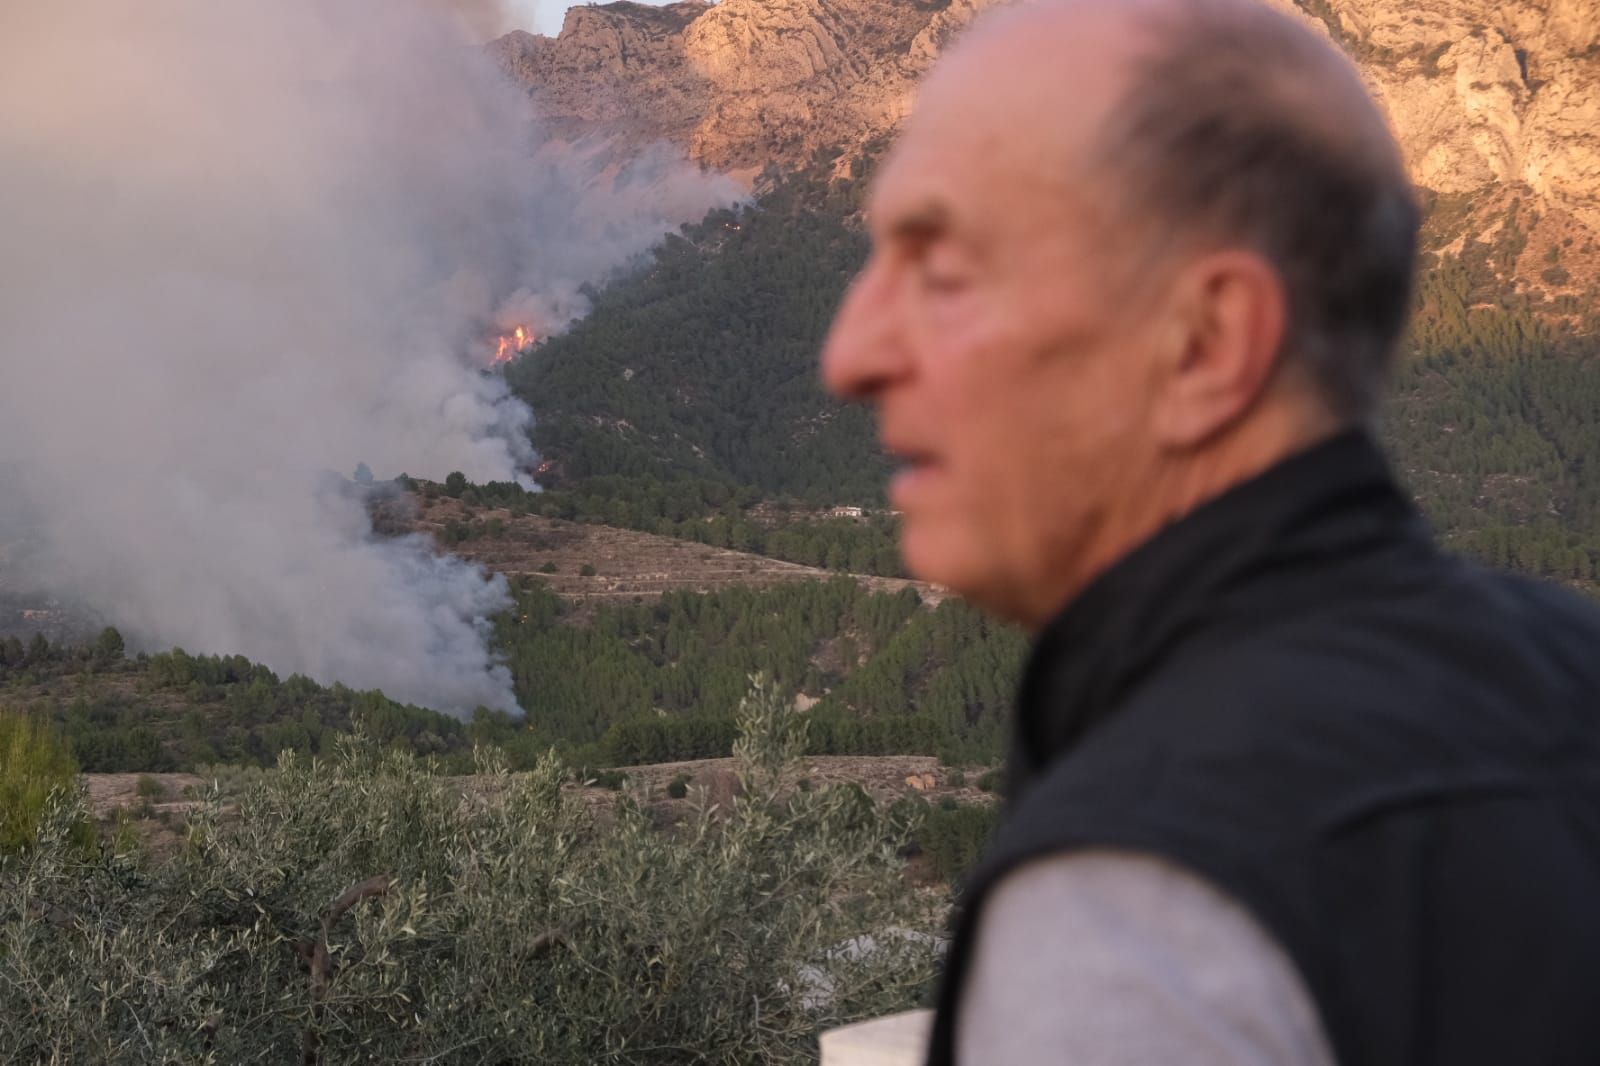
(510, 345)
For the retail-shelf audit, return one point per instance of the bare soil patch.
(629, 566)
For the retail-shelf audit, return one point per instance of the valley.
(665, 759)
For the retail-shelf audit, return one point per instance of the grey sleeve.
(1116, 958)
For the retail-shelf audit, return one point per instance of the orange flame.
(508, 346)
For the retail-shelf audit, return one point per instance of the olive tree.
(362, 909)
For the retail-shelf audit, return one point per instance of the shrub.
(548, 568)
(149, 788)
(357, 910)
(958, 779)
(954, 837)
(992, 781)
(108, 647)
(227, 780)
(586, 570)
(678, 787)
(34, 763)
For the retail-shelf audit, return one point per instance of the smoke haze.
(249, 243)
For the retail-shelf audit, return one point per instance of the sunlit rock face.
(740, 84)
(1485, 93)
(1491, 100)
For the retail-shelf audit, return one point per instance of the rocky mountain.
(739, 84)
(1496, 103)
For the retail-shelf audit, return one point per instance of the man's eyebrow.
(922, 225)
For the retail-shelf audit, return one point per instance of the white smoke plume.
(482, 20)
(246, 243)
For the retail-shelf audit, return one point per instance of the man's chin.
(966, 567)
(940, 556)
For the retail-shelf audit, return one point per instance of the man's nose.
(865, 350)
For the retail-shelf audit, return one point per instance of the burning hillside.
(508, 346)
(295, 238)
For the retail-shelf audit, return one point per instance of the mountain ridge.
(1492, 103)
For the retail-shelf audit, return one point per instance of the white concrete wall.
(898, 1040)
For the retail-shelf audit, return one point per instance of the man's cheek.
(957, 331)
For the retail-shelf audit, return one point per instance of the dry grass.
(630, 566)
(884, 777)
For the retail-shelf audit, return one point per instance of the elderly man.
(1290, 785)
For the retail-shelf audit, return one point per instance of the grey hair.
(1243, 126)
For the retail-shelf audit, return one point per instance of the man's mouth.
(911, 458)
(915, 467)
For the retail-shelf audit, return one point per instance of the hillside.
(1490, 416)
(1493, 102)
(589, 564)
(703, 362)
(691, 458)
(644, 680)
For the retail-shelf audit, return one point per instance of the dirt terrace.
(630, 566)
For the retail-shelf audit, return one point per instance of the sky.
(544, 16)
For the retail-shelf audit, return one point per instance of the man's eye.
(943, 283)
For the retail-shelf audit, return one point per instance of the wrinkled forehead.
(1005, 133)
(982, 185)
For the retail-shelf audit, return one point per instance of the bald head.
(1197, 123)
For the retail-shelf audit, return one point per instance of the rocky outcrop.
(739, 84)
(619, 68)
(1483, 94)
(1489, 93)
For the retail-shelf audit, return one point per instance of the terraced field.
(629, 566)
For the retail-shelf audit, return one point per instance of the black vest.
(1390, 757)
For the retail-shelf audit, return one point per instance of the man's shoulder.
(1473, 639)
(1485, 674)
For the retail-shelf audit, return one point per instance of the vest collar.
(1273, 535)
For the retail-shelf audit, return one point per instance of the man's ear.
(1218, 343)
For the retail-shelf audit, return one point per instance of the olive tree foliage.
(34, 762)
(359, 909)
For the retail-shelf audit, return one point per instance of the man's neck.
(1181, 483)
(1276, 434)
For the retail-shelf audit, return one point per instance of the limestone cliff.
(739, 84)
(1496, 103)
